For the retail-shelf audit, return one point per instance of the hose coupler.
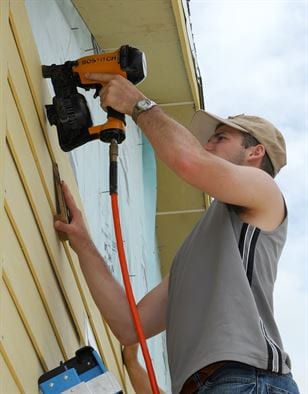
(113, 166)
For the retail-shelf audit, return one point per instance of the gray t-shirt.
(220, 303)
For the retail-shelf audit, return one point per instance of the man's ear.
(256, 152)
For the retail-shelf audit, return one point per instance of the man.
(217, 305)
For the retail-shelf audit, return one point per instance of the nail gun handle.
(112, 113)
(113, 129)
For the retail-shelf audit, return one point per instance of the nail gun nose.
(47, 71)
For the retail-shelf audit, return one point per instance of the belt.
(192, 384)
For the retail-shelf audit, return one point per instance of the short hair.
(266, 164)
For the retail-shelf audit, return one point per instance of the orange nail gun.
(69, 110)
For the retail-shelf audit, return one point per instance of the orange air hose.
(124, 269)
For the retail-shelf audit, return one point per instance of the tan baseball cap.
(204, 125)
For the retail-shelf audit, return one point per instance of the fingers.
(61, 226)
(102, 97)
(71, 205)
(117, 93)
(69, 199)
(104, 78)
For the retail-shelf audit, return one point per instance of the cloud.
(257, 50)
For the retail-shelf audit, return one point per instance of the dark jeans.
(237, 378)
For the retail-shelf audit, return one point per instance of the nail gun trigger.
(97, 90)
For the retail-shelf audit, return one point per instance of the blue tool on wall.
(84, 373)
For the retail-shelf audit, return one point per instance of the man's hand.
(130, 353)
(117, 92)
(137, 374)
(76, 230)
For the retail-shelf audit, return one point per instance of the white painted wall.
(61, 35)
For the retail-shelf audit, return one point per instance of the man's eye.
(220, 137)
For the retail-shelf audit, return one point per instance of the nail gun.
(69, 110)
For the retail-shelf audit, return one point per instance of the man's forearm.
(108, 294)
(172, 142)
(137, 374)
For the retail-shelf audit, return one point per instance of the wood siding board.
(26, 364)
(24, 319)
(28, 301)
(3, 73)
(22, 220)
(7, 383)
(117, 355)
(28, 52)
(66, 171)
(108, 345)
(22, 86)
(32, 146)
(105, 340)
(42, 125)
(4, 9)
(44, 165)
(36, 136)
(42, 291)
(28, 116)
(75, 272)
(8, 373)
(44, 217)
(31, 65)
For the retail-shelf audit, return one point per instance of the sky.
(253, 59)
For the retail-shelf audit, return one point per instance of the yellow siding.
(17, 343)
(29, 301)
(7, 384)
(45, 303)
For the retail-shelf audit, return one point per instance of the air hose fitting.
(113, 167)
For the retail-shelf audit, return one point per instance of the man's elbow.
(126, 337)
(186, 168)
(129, 341)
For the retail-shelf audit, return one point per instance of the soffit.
(150, 26)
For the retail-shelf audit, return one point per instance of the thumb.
(102, 77)
(61, 226)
